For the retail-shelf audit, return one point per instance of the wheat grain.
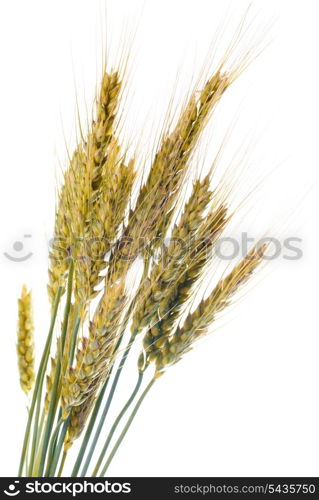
(79, 415)
(106, 216)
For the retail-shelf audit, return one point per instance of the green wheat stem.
(97, 406)
(39, 436)
(116, 423)
(53, 441)
(108, 404)
(90, 427)
(92, 421)
(127, 426)
(99, 401)
(71, 356)
(35, 437)
(62, 464)
(40, 428)
(58, 447)
(74, 338)
(54, 393)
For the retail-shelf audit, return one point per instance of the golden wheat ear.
(97, 179)
(25, 344)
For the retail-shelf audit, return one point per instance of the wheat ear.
(82, 197)
(25, 345)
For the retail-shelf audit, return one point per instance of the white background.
(245, 401)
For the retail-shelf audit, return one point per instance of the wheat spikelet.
(106, 216)
(25, 345)
(68, 221)
(193, 211)
(49, 383)
(198, 322)
(103, 126)
(79, 416)
(94, 359)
